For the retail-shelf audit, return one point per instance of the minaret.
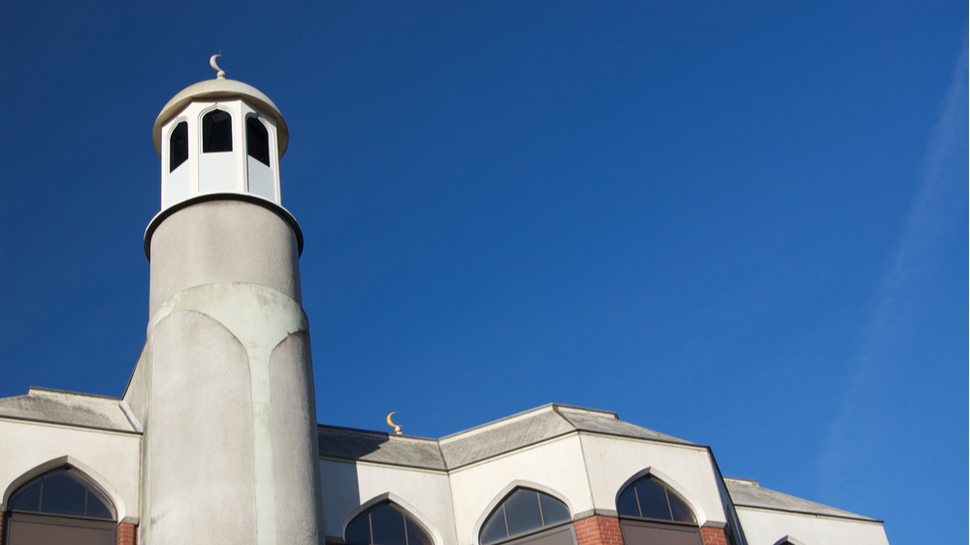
(224, 386)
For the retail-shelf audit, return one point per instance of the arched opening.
(177, 179)
(385, 524)
(526, 512)
(260, 172)
(217, 164)
(60, 507)
(651, 513)
(216, 132)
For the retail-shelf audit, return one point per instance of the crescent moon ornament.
(220, 73)
(397, 429)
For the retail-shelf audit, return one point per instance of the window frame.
(533, 533)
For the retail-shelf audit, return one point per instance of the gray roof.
(373, 446)
(479, 443)
(68, 408)
(748, 493)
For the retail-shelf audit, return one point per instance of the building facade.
(215, 439)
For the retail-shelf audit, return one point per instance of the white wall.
(555, 466)
(766, 527)
(612, 461)
(111, 459)
(425, 494)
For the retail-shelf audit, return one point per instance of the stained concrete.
(223, 241)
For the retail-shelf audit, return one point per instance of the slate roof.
(748, 493)
(478, 443)
(68, 408)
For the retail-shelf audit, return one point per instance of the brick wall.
(714, 536)
(598, 530)
(2, 516)
(127, 534)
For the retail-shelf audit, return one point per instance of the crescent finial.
(397, 429)
(220, 73)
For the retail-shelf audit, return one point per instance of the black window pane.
(387, 524)
(257, 140)
(27, 498)
(679, 508)
(416, 535)
(178, 149)
(62, 495)
(626, 504)
(653, 500)
(96, 509)
(358, 531)
(216, 132)
(495, 528)
(522, 512)
(553, 510)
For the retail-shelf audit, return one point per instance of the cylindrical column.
(230, 450)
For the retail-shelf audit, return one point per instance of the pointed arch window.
(649, 499)
(59, 507)
(385, 524)
(216, 131)
(523, 512)
(61, 492)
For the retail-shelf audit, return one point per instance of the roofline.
(56, 391)
(68, 425)
(857, 518)
(552, 406)
(504, 452)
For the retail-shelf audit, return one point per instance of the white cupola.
(220, 136)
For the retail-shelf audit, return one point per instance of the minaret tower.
(224, 386)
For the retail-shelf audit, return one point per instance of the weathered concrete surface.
(223, 241)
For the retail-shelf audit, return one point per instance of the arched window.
(646, 498)
(524, 511)
(60, 507)
(178, 149)
(385, 524)
(257, 140)
(216, 131)
(651, 513)
(261, 180)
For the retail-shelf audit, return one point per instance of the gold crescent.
(389, 423)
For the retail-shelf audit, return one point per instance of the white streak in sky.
(851, 437)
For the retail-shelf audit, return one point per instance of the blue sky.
(743, 225)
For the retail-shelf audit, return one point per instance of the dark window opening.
(60, 492)
(216, 132)
(385, 524)
(522, 512)
(257, 140)
(649, 499)
(178, 147)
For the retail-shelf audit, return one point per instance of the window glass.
(60, 492)
(648, 498)
(257, 140)
(495, 529)
(178, 148)
(385, 524)
(653, 500)
(216, 132)
(522, 512)
(553, 510)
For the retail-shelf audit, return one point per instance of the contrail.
(846, 444)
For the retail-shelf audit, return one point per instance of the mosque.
(215, 438)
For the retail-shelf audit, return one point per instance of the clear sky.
(740, 224)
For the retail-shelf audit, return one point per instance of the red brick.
(127, 534)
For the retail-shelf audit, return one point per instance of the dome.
(221, 89)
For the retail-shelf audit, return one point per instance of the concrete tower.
(224, 385)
